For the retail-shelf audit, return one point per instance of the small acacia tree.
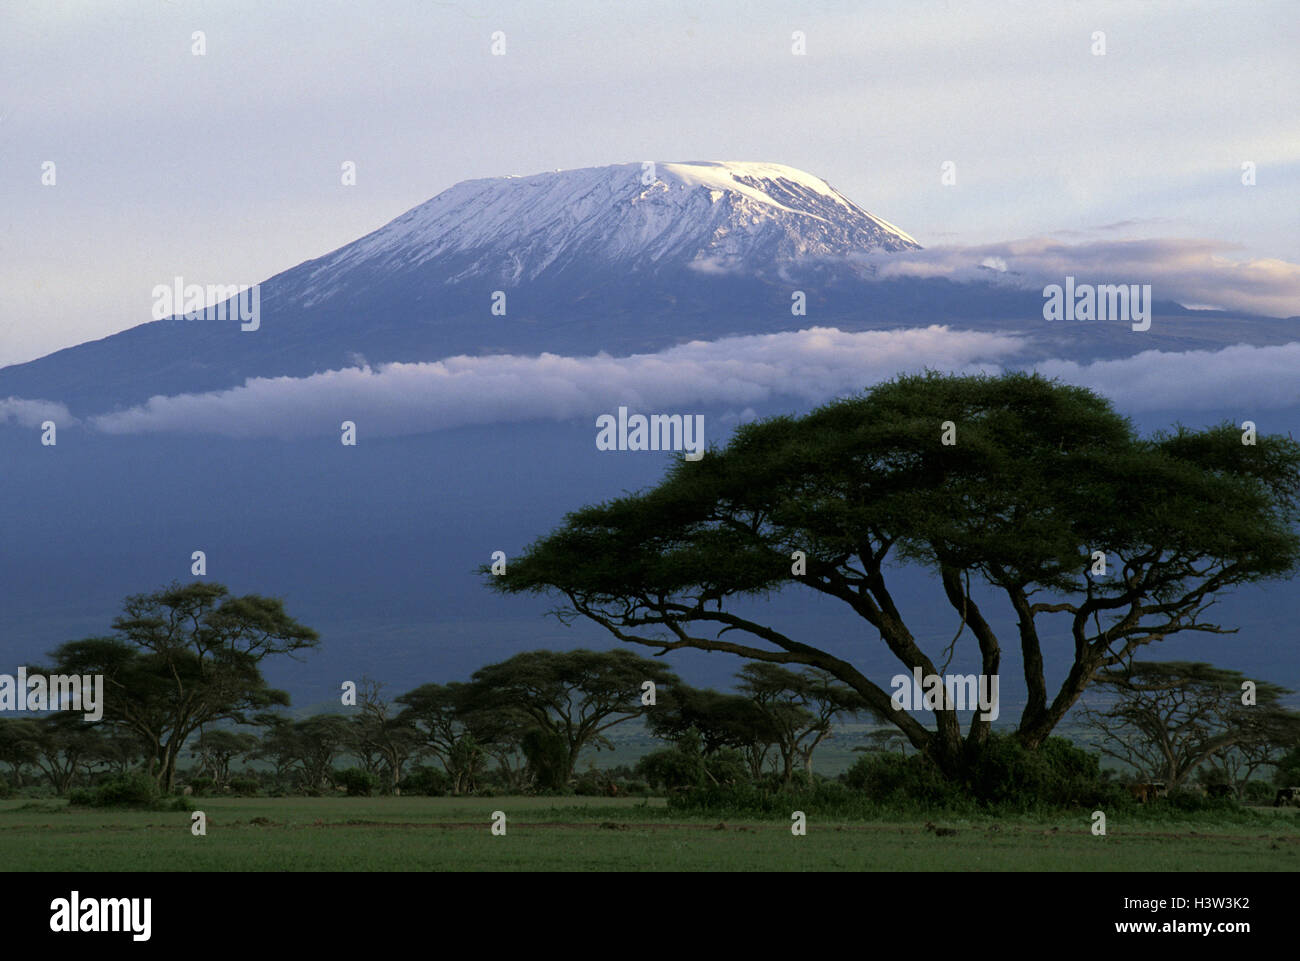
(1009, 482)
(799, 708)
(446, 726)
(568, 698)
(216, 749)
(383, 736)
(1167, 718)
(184, 657)
(719, 720)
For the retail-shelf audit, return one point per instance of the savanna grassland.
(590, 834)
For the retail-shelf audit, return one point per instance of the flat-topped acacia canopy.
(1041, 475)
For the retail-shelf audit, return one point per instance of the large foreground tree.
(1002, 487)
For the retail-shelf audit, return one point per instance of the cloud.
(734, 374)
(33, 413)
(1185, 271)
(1243, 377)
(813, 366)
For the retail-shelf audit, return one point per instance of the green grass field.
(598, 834)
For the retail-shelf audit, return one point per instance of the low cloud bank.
(33, 413)
(1242, 377)
(1190, 272)
(812, 366)
(808, 367)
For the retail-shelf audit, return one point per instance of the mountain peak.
(705, 215)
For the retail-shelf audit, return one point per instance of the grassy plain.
(600, 834)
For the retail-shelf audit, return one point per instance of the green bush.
(127, 790)
(1057, 775)
(357, 782)
(244, 786)
(591, 783)
(201, 785)
(431, 781)
(1003, 777)
(904, 782)
(548, 759)
(673, 768)
(727, 766)
(1259, 792)
(134, 790)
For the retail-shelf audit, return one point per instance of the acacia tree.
(311, 746)
(20, 739)
(184, 657)
(1007, 483)
(216, 749)
(382, 733)
(447, 726)
(1167, 718)
(799, 707)
(67, 746)
(569, 699)
(720, 721)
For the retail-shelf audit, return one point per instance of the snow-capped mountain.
(620, 258)
(707, 215)
(629, 258)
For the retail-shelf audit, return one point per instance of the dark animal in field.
(1286, 795)
(611, 789)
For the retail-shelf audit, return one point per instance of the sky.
(228, 164)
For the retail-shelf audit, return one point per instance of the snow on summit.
(704, 215)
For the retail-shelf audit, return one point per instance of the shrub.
(244, 786)
(431, 781)
(357, 782)
(1057, 775)
(201, 785)
(591, 783)
(727, 766)
(134, 790)
(905, 782)
(673, 768)
(548, 759)
(126, 790)
(1258, 792)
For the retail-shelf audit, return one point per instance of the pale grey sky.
(226, 166)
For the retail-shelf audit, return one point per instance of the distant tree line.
(186, 707)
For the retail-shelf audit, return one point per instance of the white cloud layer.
(1186, 271)
(33, 413)
(812, 365)
(1243, 377)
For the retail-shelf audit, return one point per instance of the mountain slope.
(592, 259)
(623, 259)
